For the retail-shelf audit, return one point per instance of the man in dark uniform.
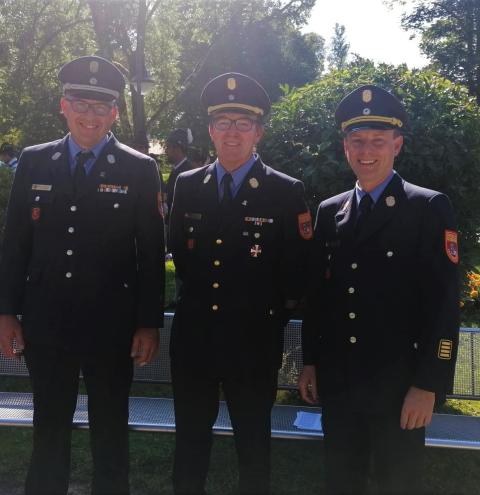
(382, 321)
(176, 147)
(239, 232)
(83, 263)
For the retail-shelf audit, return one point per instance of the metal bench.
(156, 414)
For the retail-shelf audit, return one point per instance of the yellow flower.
(462, 304)
(474, 294)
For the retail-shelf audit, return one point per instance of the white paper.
(308, 421)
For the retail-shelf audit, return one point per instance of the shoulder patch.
(305, 225)
(451, 245)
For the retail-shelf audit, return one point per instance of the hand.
(307, 384)
(145, 345)
(10, 330)
(417, 409)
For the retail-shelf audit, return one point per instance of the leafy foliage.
(450, 37)
(441, 151)
(339, 48)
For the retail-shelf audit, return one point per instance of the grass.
(297, 466)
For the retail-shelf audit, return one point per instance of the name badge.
(112, 188)
(41, 187)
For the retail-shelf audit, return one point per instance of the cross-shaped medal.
(255, 251)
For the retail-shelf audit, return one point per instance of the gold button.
(389, 254)
(73, 208)
(215, 307)
(219, 241)
(216, 285)
(69, 252)
(351, 290)
(353, 339)
(190, 229)
(71, 230)
(354, 266)
(68, 275)
(116, 205)
(216, 263)
(352, 316)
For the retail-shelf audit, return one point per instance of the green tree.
(450, 37)
(441, 151)
(339, 48)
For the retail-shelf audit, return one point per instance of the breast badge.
(255, 251)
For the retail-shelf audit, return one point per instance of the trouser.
(362, 446)
(54, 375)
(249, 402)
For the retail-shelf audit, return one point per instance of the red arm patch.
(451, 245)
(305, 225)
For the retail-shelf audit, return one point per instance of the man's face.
(371, 154)
(88, 128)
(234, 147)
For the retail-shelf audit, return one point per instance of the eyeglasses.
(243, 124)
(99, 109)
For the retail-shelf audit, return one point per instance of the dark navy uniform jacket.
(84, 270)
(241, 272)
(186, 165)
(383, 310)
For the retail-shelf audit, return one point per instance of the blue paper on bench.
(308, 421)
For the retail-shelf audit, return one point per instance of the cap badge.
(367, 111)
(93, 80)
(93, 66)
(390, 201)
(367, 95)
(56, 155)
(231, 97)
(253, 183)
(111, 159)
(207, 178)
(103, 174)
(231, 83)
(244, 202)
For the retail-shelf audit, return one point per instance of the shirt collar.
(375, 193)
(74, 149)
(238, 175)
(181, 162)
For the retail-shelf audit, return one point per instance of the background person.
(8, 156)
(381, 330)
(83, 262)
(239, 232)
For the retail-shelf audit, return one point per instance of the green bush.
(441, 151)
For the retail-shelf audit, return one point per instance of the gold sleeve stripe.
(372, 118)
(445, 349)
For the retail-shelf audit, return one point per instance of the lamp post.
(141, 82)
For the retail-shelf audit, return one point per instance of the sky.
(372, 29)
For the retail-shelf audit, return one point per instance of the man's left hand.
(145, 345)
(417, 409)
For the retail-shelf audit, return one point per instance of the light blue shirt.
(375, 193)
(74, 149)
(238, 176)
